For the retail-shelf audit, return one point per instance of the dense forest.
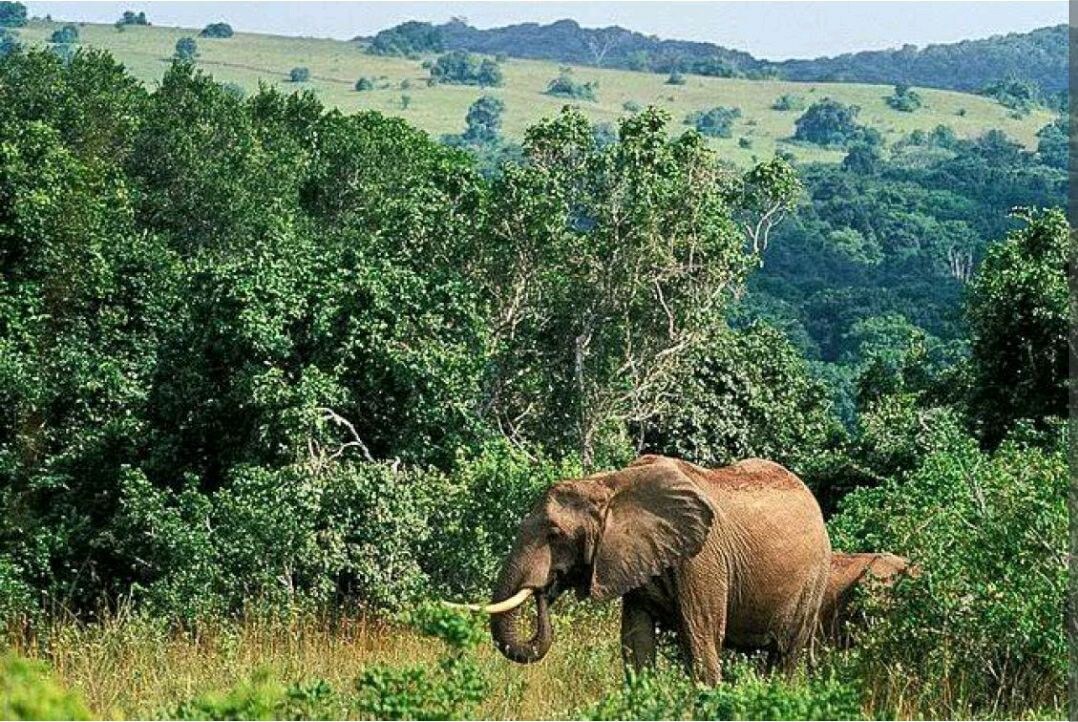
(1038, 57)
(261, 360)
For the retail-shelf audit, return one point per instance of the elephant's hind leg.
(637, 635)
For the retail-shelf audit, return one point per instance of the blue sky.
(774, 30)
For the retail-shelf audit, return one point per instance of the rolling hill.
(250, 59)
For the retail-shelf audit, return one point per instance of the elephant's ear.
(656, 520)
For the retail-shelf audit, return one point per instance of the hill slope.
(1039, 56)
(250, 59)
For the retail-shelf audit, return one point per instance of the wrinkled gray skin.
(736, 556)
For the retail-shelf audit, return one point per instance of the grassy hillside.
(248, 59)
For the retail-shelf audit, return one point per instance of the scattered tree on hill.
(484, 120)
(462, 68)
(12, 14)
(9, 41)
(715, 123)
(631, 106)
(675, 78)
(186, 49)
(408, 39)
(1018, 95)
(364, 83)
(216, 30)
(565, 86)
(66, 35)
(863, 158)
(299, 74)
(789, 101)
(132, 18)
(829, 122)
(904, 99)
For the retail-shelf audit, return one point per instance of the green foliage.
(66, 35)
(749, 393)
(261, 697)
(675, 78)
(9, 42)
(1053, 144)
(452, 689)
(1017, 308)
(408, 39)
(1019, 95)
(565, 86)
(716, 123)
(130, 17)
(484, 120)
(789, 101)
(12, 14)
(743, 695)
(299, 75)
(461, 68)
(981, 621)
(186, 49)
(364, 83)
(28, 692)
(216, 30)
(631, 106)
(831, 123)
(904, 99)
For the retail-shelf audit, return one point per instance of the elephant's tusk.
(498, 607)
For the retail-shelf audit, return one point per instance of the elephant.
(850, 572)
(736, 556)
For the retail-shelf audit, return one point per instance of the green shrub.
(364, 83)
(565, 86)
(980, 626)
(186, 49)
(299, 75)
(715, 123)
(904, 99)
(789, 101)
(462, 68)
(216, 30)
(28, 692)
(752, 697)
(262, 697)
(675, 78)
(66, 35)
(631, 106)
(451, 689)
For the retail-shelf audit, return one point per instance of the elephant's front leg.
(637, 635)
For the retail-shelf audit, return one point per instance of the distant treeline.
(1038, 57)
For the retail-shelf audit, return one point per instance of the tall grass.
(131, 666)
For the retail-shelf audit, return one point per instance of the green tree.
(828, 122)
(299, 75)
(1017, 310)
(12, 14)
(484, 120)
(66, 35)
(186, 49)
(216, 30)
(716, 123)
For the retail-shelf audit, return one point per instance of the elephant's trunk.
(506, 627)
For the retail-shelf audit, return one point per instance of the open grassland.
(250, 59)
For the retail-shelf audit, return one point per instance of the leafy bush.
(789, 101)
(130, 17)
(364, 83)
(904, 99)
(299, 75)
(484, 120)
(66, 35)
(675, 78)
(462, 68)
(631, 106)
(1018, 95)
(565, 86)
(743, 695)
(715, 123)
(12, 14)
(409, 39)
(980, 625)
(452, 689)
(186, 49)
(829, 122)
(216, 30)
(28, 692)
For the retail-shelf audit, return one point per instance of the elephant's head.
(601, 536)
